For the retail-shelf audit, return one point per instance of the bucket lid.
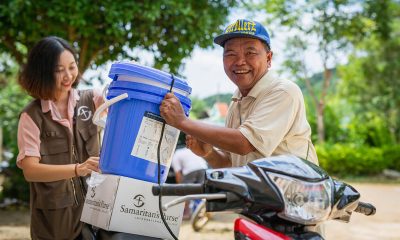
(137, 70)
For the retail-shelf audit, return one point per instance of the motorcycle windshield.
(293, 166)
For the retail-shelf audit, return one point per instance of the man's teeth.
(241, 71)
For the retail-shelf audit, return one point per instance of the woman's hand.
(86, 168)
(198, 147)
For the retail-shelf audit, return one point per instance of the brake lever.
(192, 197)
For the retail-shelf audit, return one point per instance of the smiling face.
(66, 73)
(246, 60)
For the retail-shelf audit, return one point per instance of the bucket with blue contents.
(133, 126)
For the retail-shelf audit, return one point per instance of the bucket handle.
(96, 117)
(105, 89)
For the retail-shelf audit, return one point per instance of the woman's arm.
(34, 171)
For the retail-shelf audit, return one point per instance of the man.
(266, 116)
(188, 167)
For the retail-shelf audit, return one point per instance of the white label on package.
(149, 133)
(99, 202)
(136, 210)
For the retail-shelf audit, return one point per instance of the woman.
(58, 143)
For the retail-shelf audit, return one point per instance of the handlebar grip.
(178, 189)
(365, 208)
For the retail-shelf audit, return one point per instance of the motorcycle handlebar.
(178, 189)
(365, 208)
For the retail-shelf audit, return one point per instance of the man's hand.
(198, 147)
(171, 110)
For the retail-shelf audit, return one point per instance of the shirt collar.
(262, 84)
(74, 97)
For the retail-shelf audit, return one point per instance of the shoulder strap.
(85, 99)
(34, 110)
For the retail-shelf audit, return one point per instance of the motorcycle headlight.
(305, 202)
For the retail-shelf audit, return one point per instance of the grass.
(369, 179)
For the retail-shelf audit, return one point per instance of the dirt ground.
(384, 225)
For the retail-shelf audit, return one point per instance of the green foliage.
(210, 100)
(391, 154)
(348, 159)
(101, 31)
(342, 125)
(371, 80)
(107, 30)
(369, 129)
(12, 101)
(335, 112)
(317, 27)
(198, 108)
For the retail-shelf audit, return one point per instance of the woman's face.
(66, 73)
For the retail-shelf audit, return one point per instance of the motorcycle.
(279, 197)
(199, 215)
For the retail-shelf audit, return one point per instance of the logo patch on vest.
(84, 113)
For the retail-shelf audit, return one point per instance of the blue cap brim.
(221, 39)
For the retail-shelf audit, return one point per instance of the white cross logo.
(84, 112)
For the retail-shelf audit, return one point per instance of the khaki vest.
(56, 207)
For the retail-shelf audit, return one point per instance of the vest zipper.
(72, 180)
(73, 188)
(79, 178)
(82, 189)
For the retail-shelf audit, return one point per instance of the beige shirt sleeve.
(270, 121)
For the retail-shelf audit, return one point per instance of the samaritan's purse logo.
(84, 113)
(138, 200)
(96, 202)
(141, 213)
(93, 192)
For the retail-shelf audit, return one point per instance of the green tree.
(12, 100)
(371, 79)
(319, 26)
(101, 31)
(198, 108)
(220, 97)
(107, 30)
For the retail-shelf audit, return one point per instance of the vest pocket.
(52, 146)
(54, 195)
(88, 132)
(91, 138)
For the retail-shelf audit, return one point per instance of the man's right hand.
(198, 147)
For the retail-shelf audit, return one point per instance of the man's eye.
(229, 54)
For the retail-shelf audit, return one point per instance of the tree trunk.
(320, 121)
(1, 144)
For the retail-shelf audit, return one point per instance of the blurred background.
(344, 54)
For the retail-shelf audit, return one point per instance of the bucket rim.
(152, 74)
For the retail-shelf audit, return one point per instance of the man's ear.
(269, 57)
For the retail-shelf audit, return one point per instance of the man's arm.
(218, 159)
(228, 139)
(178, 176)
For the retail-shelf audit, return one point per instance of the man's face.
(245, 61)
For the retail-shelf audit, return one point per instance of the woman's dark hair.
(38, 75)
